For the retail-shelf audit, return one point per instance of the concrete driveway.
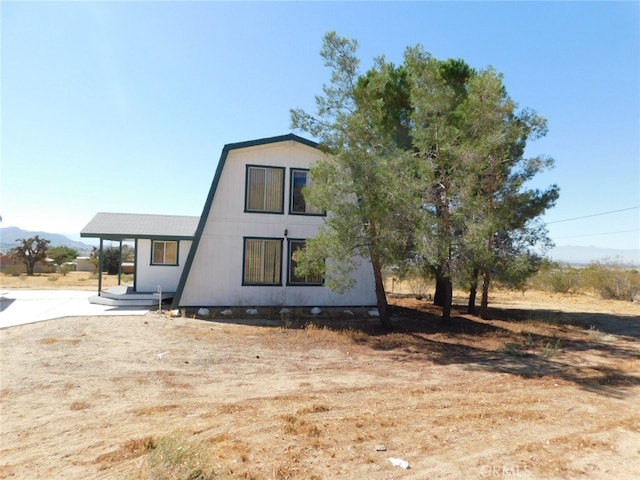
(18, 307)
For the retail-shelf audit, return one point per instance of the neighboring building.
(240, 254)
(84, 264)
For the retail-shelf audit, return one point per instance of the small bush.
(14, 270)
(557, 278)
(613, 280)
(66, 268)
(175, 458)
(550, 348)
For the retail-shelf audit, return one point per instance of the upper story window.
(164, 253)
(297, 204)
(264, 189)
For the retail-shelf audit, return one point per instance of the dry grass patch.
(65, 341)
(79, 405)
(131, 449)
(154, 409)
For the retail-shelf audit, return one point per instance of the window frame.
(291, 267)
(164, 263)
(248, 168)
(292, 172)
(246, 283)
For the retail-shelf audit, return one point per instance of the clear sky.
(125, 106)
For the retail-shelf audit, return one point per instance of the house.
(240, 253)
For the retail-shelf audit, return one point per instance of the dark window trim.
(244, 259)
(290, 267)
(291, 211)
(177, 264)
(246, 189)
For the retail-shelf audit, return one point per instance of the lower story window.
(262, 261)
(164, 253)
(294, 277)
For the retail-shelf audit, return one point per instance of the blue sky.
(126, 106)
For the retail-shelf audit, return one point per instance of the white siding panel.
(148, 276)
(215, 278)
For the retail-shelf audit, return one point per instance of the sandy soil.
(548, 389)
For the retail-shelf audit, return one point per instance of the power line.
(594, 215)
(603, 233)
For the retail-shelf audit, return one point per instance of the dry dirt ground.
(549, 388)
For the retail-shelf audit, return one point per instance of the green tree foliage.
(111, 260)
(361, 181)
(505, 228)
(31, 251)
(425, 165)
(61, 255)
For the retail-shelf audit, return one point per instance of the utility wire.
(594, 215)
(603, 233)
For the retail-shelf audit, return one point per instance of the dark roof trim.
(266, 141)
(124, 237)
(212, 192)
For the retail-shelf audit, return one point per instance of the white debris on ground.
(398, 462)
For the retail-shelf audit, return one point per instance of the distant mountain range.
(585, 255)
(9, 235)
(567, 254)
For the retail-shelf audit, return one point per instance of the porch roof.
(129, 226)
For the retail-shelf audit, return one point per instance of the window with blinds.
(264, 189)
(262, 261)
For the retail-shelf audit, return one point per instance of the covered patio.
(161, 243)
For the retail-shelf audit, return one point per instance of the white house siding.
(215, 277)
(148, 276)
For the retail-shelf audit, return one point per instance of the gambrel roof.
(212, 192)
(129, 226)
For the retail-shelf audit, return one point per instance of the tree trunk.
(448, 299)
(440, 295)
(381, 297)
(486, 280)
(484, 304)
(31, 266)
(471, 308)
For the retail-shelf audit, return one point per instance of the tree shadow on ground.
(597, 352)
(625, 325)
(604, 360)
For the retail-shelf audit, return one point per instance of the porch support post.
(100, 268)
(135, 265)
(120, 263)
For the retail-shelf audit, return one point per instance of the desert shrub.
(14, 270)
(66, 268)
(176, 458)
(556, 277)
(612, 279)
